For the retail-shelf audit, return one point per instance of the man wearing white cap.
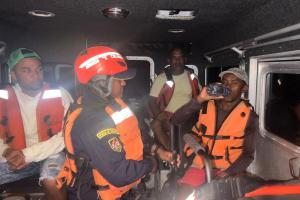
(226, 128)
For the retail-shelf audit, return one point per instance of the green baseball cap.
(19, 54)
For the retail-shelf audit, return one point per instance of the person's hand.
(203, 96)
(154, 164)
(221, 174)
(164, 155)
(18, 167)
(162, 116)
(173, 159)
(15, 158)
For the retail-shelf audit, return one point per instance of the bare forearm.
(185, 112)
(154, 107)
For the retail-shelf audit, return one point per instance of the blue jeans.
(48, 169)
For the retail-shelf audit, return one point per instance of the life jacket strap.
(100, 187)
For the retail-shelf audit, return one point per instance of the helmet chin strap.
(101, 86)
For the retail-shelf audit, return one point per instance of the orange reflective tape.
(275, 190)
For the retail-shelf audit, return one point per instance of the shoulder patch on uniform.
(115, 144)
(106, 132)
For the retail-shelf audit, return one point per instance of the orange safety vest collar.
(226, 144)
(49, 115)
(130, 136)
(168, 88)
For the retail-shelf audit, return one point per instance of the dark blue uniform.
(107, 159)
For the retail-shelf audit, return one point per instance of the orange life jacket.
(127, 126)
(49, 115)
(226, 144)
(168, 88)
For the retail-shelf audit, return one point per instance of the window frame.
(260, 67)
(221, 67)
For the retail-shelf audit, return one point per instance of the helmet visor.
(126, 75)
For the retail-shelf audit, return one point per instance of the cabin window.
(282, 106)
(212, 73)
(61, 75)
(5, 78)
(139, 86)
(137, 89)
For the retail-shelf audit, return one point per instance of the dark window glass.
(139, 86)
(213, 73)
(136, 91)
(65, 77)
(283, 106)
(3, 74)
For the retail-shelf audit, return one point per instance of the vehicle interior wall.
(278, 96)
(62, 47)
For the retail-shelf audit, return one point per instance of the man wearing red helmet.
(103, 141)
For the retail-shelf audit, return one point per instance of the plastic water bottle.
(217, 89)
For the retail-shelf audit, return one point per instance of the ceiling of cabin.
(85, 16)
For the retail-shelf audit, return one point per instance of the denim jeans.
(48, 169)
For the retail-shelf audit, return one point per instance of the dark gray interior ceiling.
(217, 22)
(140, 26)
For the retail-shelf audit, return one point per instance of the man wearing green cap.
(31, 120)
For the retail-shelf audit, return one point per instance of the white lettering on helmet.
(121, 115)
(4, 94)
(96, 59)
(49, 94)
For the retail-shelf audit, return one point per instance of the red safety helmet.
(100, 60)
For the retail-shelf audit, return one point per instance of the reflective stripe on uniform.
(121, 115)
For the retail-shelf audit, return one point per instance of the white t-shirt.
(36, 151)
(182, 91)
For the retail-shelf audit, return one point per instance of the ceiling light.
(176, 30)
(41, 13)
(115, 13)
(175, 14)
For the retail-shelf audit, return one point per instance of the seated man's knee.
(52, 192)
(48, 183)
(51, 167)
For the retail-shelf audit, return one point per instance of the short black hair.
(180, 47)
